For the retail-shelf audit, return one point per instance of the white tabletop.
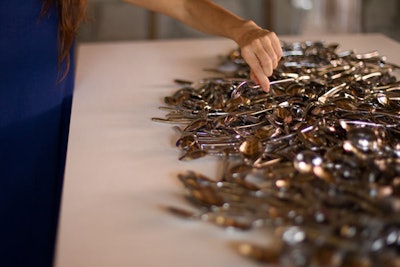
(122, 167)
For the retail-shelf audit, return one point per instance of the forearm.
(211, 18)
(202, 15)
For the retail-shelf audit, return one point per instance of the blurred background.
(114, 20)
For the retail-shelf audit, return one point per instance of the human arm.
(260, 48)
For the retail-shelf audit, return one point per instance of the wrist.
(246, 27)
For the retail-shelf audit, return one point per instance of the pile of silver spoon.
(317, 158)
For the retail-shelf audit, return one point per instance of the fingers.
(276, 44)
(262, 53)
(259, 72)
(264, 83)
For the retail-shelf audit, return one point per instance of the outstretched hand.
(261, 50)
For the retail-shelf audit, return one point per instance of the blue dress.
(34, 120)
